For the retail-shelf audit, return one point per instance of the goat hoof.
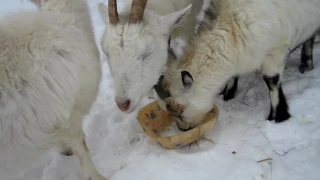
(94, 175)
(67, 152)
(184, 130)
(270, 118)
(304, 68)
(223, 91)
(228, 96)
(280, 117)
(97, 178)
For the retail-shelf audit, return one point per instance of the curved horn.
(113, 12)
(137, 11)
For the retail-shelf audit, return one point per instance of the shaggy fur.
(49, 79)
(137, 53)
(244, 36)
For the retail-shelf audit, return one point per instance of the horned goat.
(49, 78)
(137, 47)
(237, 37)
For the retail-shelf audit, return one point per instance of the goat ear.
(187, 79)
(173, 20)
(103, 11)
(39, 3)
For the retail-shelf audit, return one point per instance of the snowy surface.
(121, 151)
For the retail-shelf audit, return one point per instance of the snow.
(121, 150)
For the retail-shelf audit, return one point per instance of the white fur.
(49, 78)
(264, 31)
(137, 65)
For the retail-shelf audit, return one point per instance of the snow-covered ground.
(121, 151)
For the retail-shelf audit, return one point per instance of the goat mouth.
(129, 110)
(179, 118)
(176, 115)
(131, 107)
(185, 130)
(134, 104)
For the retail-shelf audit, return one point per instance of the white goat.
(237, 37)
(49, 79)
(137, 49)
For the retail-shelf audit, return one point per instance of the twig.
(208, 139)
(271, 170)
(228, 123)
(299, 47)
(196, 144)
(223, 144)
(268, 159)
(264, 136)
(262, 150)
(248, 91)
(244, 103)
(284, 152)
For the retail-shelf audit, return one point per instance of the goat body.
(238, 37)
(49, 79)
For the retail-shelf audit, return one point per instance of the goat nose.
(123, 105)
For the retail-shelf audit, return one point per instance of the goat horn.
(113, 12)
(137, 11)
